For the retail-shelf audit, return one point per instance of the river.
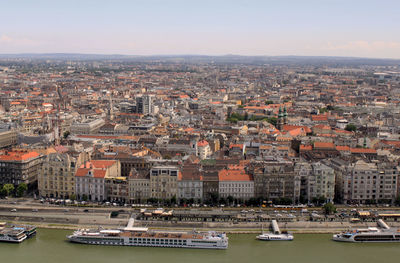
(50, 246)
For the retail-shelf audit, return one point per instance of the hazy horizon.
(364, 29)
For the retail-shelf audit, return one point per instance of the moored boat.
(275, 235)
(12, 235)
(382, 233)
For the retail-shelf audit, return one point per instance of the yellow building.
(57, 178)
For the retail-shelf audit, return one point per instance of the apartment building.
(164, 182)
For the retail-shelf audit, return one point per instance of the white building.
(203, 149)
(370, 182)
(236, 183)
(321, 182)
(87, 127)
(90, 179)
(190, 184)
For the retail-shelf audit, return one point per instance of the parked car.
(13, 210)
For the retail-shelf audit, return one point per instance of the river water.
(50, 246)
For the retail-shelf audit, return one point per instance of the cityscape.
(145, 150)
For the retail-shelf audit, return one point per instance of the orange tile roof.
(393, 143)
(319, 117)
(18, 155)
(297, 132)
(99, 163)
(236, 146)
(324, 145)
(322, 127)
(362, 150)
(233, 175)
(288, 127)
(343, 148)
(343, 131)
(305, 148)
(202, 143)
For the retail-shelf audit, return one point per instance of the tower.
(111, 111)
(280, 119)
(285, 115)
(144, 105)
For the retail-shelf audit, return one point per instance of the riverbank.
(71, 218)
(248, 228)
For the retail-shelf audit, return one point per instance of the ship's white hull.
(274, 237)
(150, 243)
(363, 239)
(12, 240)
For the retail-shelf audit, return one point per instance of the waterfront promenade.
(230, 220)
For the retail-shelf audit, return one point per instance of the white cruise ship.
(383, 233)
(142, 236)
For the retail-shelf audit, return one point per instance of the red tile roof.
(233, 175)
(236, 146)
(343, 148)
(305, 148)
(362, 150)
(324, 145)
(18, 155)
(319, 117)
(202, 143)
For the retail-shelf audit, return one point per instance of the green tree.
(397, 202)
(214, 198)
(3, 192)
(329, 209)
(323, 110)
(73, 197)
(268, 102)
(330, 107)
(173, 200)
(230, 199)
(21, 189)
(84, 198)
(351, 127)
(66, 134)
(8, 189)
(182, 201)
(272, 120)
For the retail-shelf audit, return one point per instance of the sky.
(356, 28)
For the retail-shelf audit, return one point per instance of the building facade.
(139, 187)
(235, 182)
(90, 179)
(370, 183)
(164, 182)
(87, 127)
(57, 178)
(276, 181)
(8, 138)
(20, 166)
